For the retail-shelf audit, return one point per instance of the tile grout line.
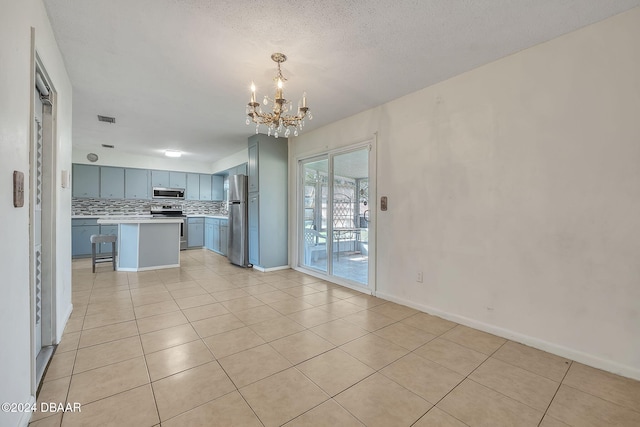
(465, 378)
(241, 285)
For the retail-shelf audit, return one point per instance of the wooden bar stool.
(96, 239)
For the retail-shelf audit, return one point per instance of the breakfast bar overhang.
(146, 243)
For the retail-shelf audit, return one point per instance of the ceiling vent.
(108, 146)
(106, 119)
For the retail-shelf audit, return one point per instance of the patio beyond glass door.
(315, 191)
(350, 216)
(335, 215)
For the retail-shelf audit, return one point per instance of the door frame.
(48, 239)
(297, 248)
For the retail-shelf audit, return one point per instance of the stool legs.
(113, 255)
(96, 240)
(93, 257)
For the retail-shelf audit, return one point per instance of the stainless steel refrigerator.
(238, 251)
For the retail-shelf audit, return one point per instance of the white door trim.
(299, 211)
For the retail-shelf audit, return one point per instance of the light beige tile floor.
(210, 344)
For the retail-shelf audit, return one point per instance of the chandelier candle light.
(278, 121)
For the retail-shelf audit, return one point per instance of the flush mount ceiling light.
(278, 121)
(172, 153)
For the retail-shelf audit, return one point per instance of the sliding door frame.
(298, 246)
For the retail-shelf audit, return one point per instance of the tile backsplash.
(93, 206)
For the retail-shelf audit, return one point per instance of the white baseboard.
(266, 270)
(559, 350)
(26, 416)
(157, 267)
(60, 330)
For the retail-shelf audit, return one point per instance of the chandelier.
(278, 121)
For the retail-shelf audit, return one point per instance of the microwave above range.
(168, 193)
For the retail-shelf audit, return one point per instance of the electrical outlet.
(419, 277)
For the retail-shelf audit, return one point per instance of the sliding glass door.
(334, 234)
(350, 216)
(315, 215)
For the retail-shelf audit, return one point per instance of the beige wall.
(515, 187)
(16, 20)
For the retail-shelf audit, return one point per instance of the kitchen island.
(146, 243)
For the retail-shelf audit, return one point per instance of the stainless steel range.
(172, 211)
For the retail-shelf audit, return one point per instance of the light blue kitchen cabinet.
(85, 181)
(193, 186)
(217, 187)
(195, 229)
(159, 178)
(268, 219)
(254, 235)
(81, 231)
(252, 166)
(205, 187)
(208, 233)
(216, 235)
(136, 184)
(178, 179)
(111, 182)
(241, 169)
(224, 236)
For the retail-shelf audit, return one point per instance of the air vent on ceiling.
(106, 119)
(108, 146)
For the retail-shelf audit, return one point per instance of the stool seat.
(96, 239)
(103, 238)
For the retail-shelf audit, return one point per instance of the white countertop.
(141, 216)
(208, 216)
(111, 216)
(138, 220)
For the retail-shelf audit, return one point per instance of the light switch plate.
(18, 189)
(64, 178)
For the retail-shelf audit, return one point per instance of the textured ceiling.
(176, 73)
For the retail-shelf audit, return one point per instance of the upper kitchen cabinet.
(177, 179)
(86, 181)
(136, 183)
(205, 187)
(168, 179)
(160, 179)
(217, 187)
(111, 182)
(193, 186)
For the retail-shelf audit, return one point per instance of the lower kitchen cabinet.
(195, 229)
(224, 236)
(215, 235)
(81, 231)
(80, 239)
(208, 233)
